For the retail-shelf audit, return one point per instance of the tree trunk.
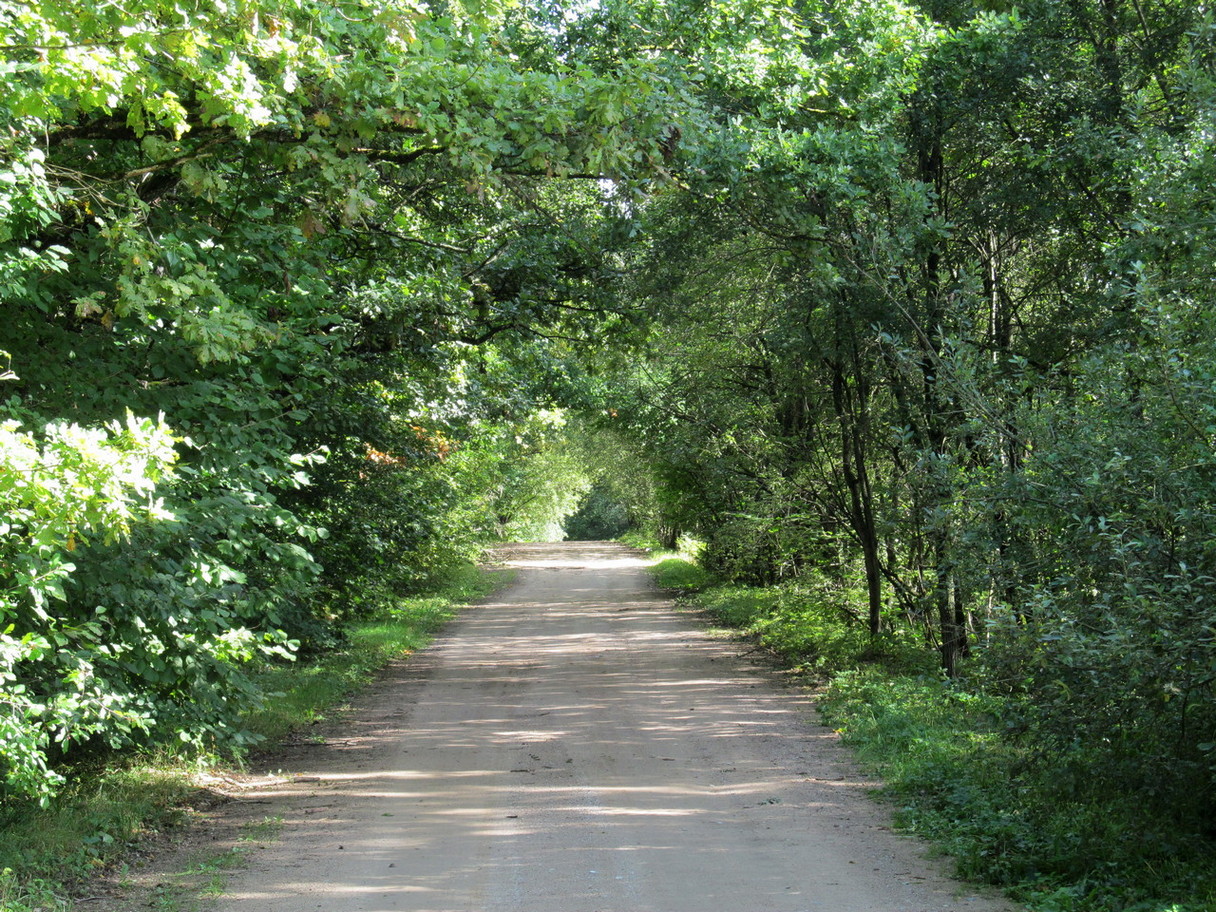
(932, 172)
(850, 416)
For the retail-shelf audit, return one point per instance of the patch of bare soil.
(574, 745)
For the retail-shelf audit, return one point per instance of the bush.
(1115, 698)
(957, 777)
(680, 574)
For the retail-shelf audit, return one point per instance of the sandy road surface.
(575, 745)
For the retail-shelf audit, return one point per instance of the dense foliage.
(282, 286)
(905, 309)
(932, 340)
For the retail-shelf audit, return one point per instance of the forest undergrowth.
(1052, 827)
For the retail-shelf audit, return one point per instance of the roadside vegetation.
(105, 811)
(958, 764)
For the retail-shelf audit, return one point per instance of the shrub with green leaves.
(59, 490)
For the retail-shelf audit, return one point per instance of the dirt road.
(576, 745)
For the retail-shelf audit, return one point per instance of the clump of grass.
(30, 895)
(680, 574)
(99, 814)
(811, 624)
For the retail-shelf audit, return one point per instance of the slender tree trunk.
(954, 644)
(850, 416)
(932, 172)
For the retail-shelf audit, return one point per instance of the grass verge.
(304, 692)
(810, 625)
(96, 819)
(1009, 813)
(675, 570)
(105, 811)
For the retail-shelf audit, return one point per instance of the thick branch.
(450, 248)
(399, 158)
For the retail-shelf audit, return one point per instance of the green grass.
(97, 817)
(687, 548)
(996, 806)
(807, 629)
(105, 810)
(640, 539)
(680, 575)
(811, 624)
(33, 895)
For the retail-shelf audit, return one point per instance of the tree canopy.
(328, 260)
